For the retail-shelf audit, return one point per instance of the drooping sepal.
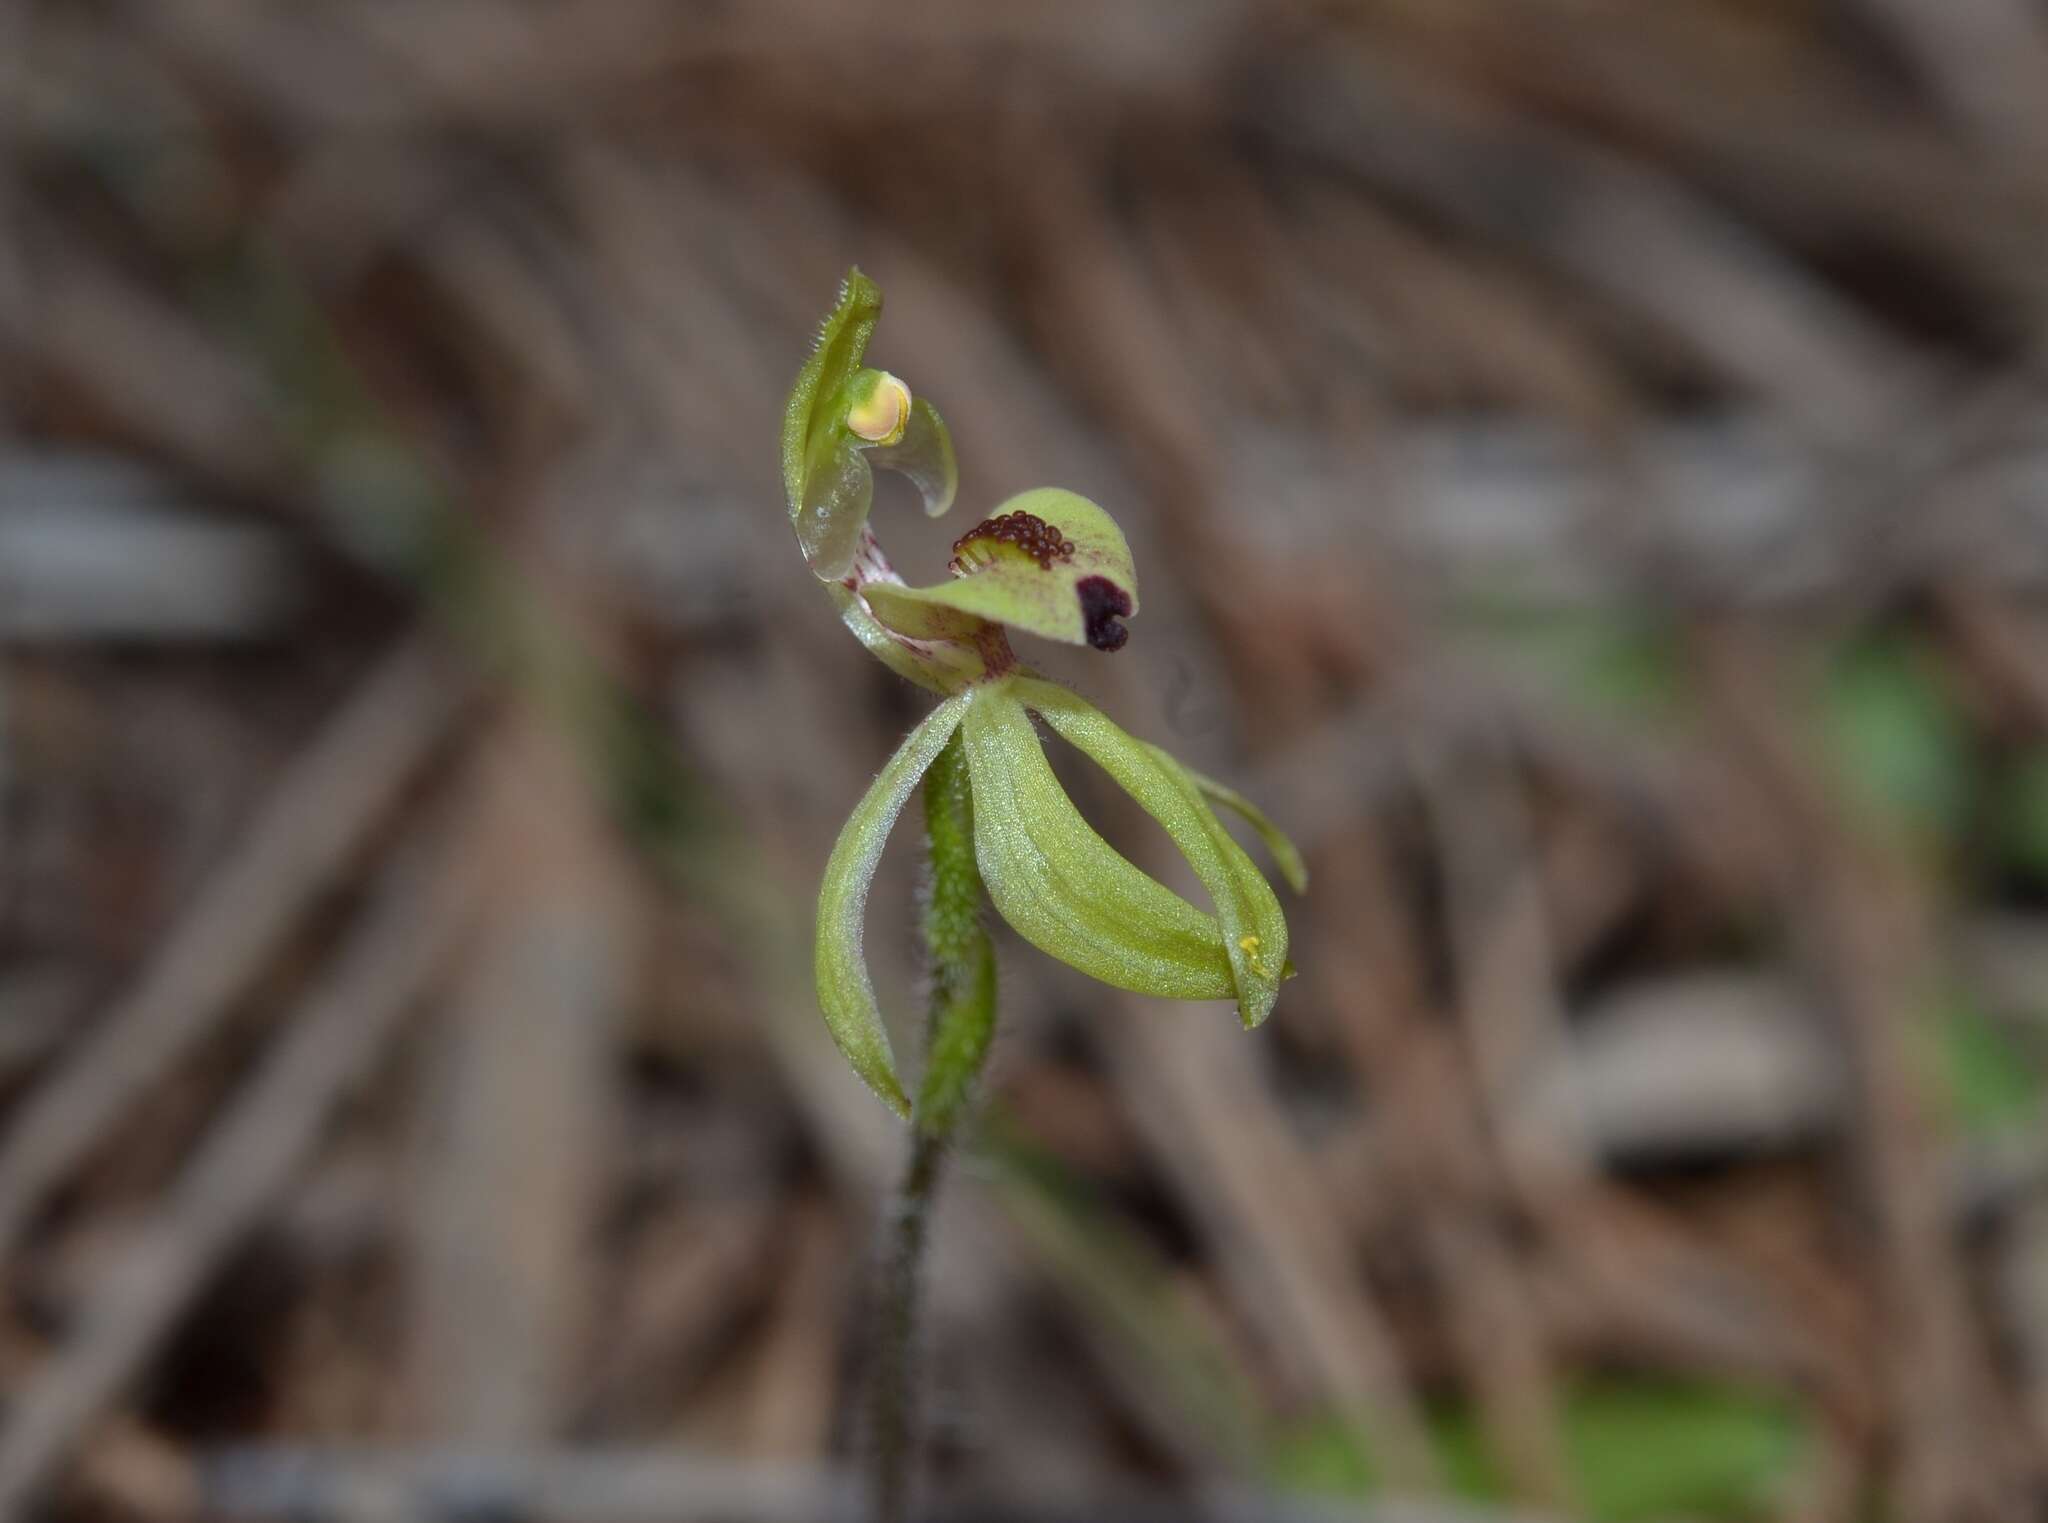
(1048, 561)
(846, 994)
(1285, 854)
(1254, 932)
(1060, 885)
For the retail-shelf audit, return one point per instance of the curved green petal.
(1254, 930)
(845, 993)
(870, 420)
(1064, 888)
(925, 455)
(1286, 855)
(1048, 561)
(834, 359)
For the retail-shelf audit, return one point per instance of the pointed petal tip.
(1253, 928)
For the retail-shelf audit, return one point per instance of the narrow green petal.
(845, 993)
(1048, 561)
(1064, 888)
(1254, 930)
(834, 359)
(1286, 856)
(925, 455)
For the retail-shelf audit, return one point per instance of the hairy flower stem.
(962, 1022)
(892, 1394)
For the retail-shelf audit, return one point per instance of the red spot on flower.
(1023, 531)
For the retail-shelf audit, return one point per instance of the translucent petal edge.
(838, 492)
(925, 455)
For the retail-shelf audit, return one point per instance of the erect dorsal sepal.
(843, 421)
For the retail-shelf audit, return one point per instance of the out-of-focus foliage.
(1588, 469)
(1639, 1450)
(1898, 742)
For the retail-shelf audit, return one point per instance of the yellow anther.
(880, 418)
(1249, 945)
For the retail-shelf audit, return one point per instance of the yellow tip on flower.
(882, 416)
(1249, 945)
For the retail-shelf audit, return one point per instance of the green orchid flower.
(1049, 563)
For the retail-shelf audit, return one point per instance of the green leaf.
(1285, 854)
(1064, 888)
(2020, 812)
(1897, 737)
(1048, 561)
(1653, 1449)
(1639, 1449)
(1254, 930)
(846, 995)
(1991, 1083)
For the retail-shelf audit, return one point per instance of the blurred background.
(1588, 466)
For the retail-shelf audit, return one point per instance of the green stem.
(962, 1022)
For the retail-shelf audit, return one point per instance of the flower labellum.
(1050, 563)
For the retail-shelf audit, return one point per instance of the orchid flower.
(1048, 563)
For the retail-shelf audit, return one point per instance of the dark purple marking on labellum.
(1102, 604)
(1025, 531)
